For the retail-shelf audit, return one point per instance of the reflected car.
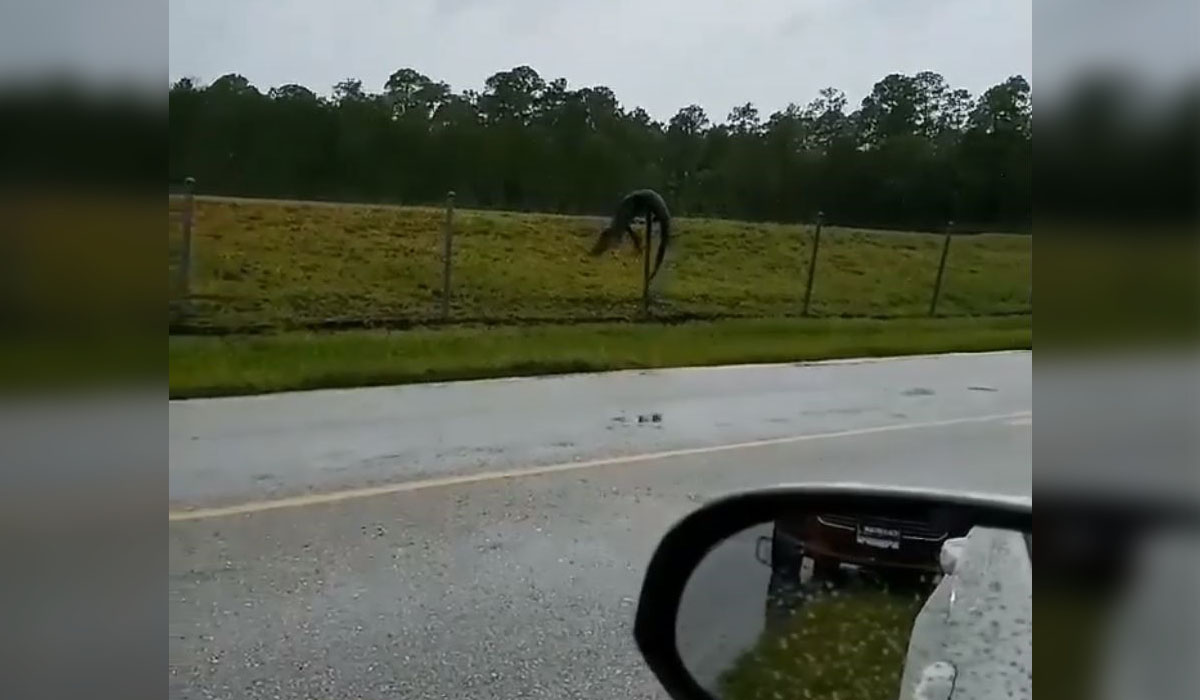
(891, 547)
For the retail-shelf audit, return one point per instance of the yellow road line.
(438, 482)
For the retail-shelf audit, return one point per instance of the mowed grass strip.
(834, 647)
(228, 365)
(281, 265)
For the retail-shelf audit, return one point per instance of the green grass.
(212, 366)
(286, 265)
(845, 647)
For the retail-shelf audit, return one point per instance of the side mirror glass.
(841, 593)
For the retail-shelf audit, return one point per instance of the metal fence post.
(937, 283)
(812, 262)
(188, 218)
(447, 254)
(646, 268)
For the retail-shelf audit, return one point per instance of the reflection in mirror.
(824, 605)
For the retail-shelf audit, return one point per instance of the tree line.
(914, 153)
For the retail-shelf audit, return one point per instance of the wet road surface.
(521, 586)
(240, 449)
(722, 611)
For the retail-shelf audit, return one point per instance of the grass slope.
(214, 366)
(282, 264)
(848, 647)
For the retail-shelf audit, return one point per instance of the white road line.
(408, 486)
(842, 361)
(796, 364)
(754, 365)
(1023, 420)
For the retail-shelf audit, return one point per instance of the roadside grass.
(288, 265)
(251, 364)
(845, 647)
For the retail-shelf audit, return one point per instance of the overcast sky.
(657, 54)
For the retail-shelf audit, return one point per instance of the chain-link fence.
(241, 265)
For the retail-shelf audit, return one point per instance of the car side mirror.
(815, 592)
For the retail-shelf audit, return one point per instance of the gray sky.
(657, 54)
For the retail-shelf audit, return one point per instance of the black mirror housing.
(687, 543)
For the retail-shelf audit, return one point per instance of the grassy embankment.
(286, 268)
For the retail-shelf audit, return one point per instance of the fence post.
(812, 262)
(447, 254)
(937, 283)
(646, 267)
(188, 218)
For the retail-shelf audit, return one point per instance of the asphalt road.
(488, 539)
(723, 607)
